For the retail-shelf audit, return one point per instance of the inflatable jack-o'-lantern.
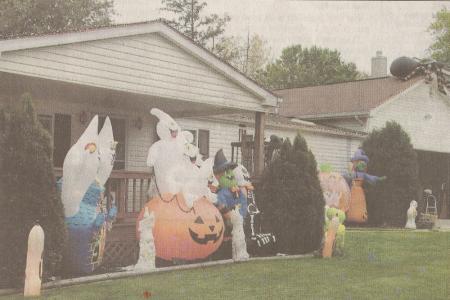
(181, 233)
(335, 189)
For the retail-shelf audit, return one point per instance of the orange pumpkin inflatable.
(358, 209)
(335, 189)
(181, 233)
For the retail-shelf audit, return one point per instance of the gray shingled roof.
(354, 97)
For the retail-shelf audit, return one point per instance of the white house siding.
(333, 149)
(146, 64)
(412, 110)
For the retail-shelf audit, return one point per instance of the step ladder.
(430, 202)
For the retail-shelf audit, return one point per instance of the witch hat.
(360, 155)
(221, 164)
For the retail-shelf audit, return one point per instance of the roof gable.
(341, 99)
(131, 30)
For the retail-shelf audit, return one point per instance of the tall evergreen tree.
(391, 154)
(291, 199)
(28, 193)
(189, 19)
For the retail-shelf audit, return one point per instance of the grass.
(377, 265)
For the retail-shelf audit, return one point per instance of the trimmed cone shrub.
(391, 154)
(291, 199)
(28, 193)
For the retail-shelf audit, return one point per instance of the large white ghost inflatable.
(106, 152)
(166, 155)
(80, 168)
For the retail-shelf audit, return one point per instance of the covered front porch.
(123, 72)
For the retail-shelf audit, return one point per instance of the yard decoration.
(406, 67)
(411, 215)
(88, 226)
(33, 271)
(181, 233)
(335, 190)
(334, 232)
(229, 195)
(80, 168)
(147, 250)
(166, 155)
(238, 244)
(357, 211)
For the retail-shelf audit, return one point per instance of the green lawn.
(377, 265)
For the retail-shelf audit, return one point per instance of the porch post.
(260, 123)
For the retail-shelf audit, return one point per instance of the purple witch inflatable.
(357, 211)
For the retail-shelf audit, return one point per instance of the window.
(61, 138)
(47, 122)
(119, 132)
(203, 142)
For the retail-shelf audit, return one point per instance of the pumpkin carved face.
(182, 233)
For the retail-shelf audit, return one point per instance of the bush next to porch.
(27, 193)
(391, 154)
(291, 199)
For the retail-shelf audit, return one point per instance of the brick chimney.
(379, 65)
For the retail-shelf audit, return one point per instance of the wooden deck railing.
(129, 191)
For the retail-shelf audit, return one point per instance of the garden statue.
(411, 215)
(33, 271)
(147, 250)
(357, 211)
(166, 154)
(87, 225)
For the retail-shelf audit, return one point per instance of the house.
(122, 72)
(416, 104)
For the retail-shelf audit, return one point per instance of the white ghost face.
(167, 128)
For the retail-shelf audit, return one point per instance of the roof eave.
(268, 98)
(331, 115)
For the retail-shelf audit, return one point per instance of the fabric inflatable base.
(85, 242)
(357, 212)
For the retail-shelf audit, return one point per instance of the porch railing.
(129, 191)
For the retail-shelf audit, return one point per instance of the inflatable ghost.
(80, 168)
(106, 151)
(87, 227)
(166, 155)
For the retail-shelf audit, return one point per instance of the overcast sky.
(356, 29)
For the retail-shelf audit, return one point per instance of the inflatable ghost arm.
(80, 168)
(107, 152)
